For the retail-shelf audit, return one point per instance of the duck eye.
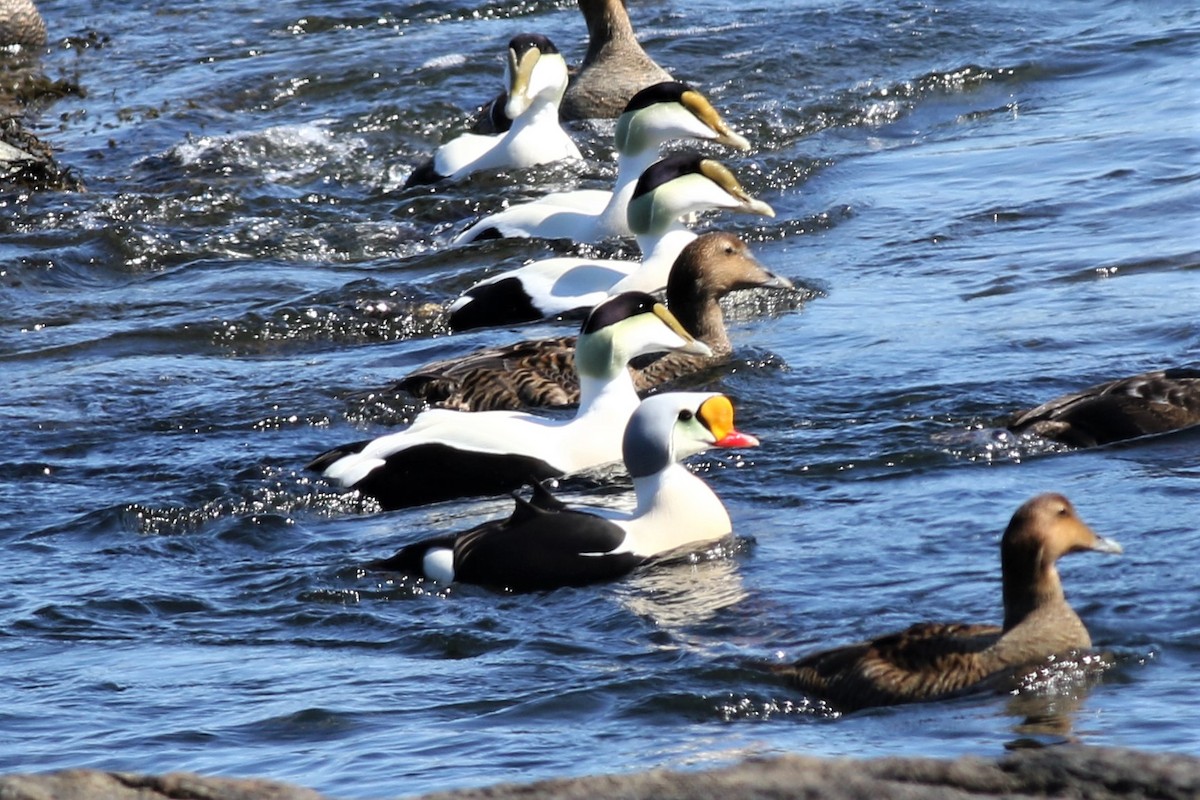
(685, 415)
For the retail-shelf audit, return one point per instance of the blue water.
(998, 203)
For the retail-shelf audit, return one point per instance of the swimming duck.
(615, 66)
(545, 544)
(930, 661)
(676, 186)
(446, 454)
(536, 77)
(21, 24)
(653, 116)
(542, 372)
(1153, 402)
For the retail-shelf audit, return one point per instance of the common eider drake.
(446, 454)
(615, 66)
(545, 544)
(930, 661)
(541, 372)
(654, 116)
(1153, 402)
(671, 189)
(536, 77)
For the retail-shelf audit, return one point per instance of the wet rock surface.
(1068, 771)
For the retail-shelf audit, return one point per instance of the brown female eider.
(542, 372)
(930, 661)
(21, 24)
(1153, 402)
(615, 67)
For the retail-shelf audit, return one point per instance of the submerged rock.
(1098, 773)
(27, 162)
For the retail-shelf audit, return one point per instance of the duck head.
(671, 110)
(686, 183)
(535, 70)
(626, 326)
(671, 426)
(714, 265)
(1041, 531)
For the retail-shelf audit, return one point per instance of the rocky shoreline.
(1068, 771)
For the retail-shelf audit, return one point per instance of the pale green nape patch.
(641, 129)
(606, 352)
(657, 210)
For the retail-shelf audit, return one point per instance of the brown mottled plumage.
(21, 23)
(542, 372)
(1154, 402)
(929, 661)
(615, 67)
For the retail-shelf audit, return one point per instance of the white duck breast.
(654, 116)
(537, 78)
(446, 454)
(670, 189)
(545, 544)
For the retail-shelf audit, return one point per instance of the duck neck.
(607, 21)
(611, 392)
(659, 251)
(630, 167)
(1029, 584)
(699, 311)
(542, 113)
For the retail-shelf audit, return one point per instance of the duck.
(931, 661)
(1140, 405)
(541, 372)
(537, 77)
(669, 190)
(655, 115)
(546, 544)
(615, 66)
(21, 24)
(447, 454)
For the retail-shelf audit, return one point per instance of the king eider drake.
(537, 77)
(545, 545)
(937, 660)
(1141, 405)
(446, 454)
(654, 116)
(615, 66)
(541, 372)
(677, 186)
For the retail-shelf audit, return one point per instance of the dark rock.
(83, 784)
(1067, 771)
(1070, 771)
(28, 163)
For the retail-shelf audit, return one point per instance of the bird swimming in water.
(537, 78)
(541, 372)
(1141, 405)
(615, 66)
(669, 191)
(447, 454)
(546, 544)
(930, 661)
(654, 116)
